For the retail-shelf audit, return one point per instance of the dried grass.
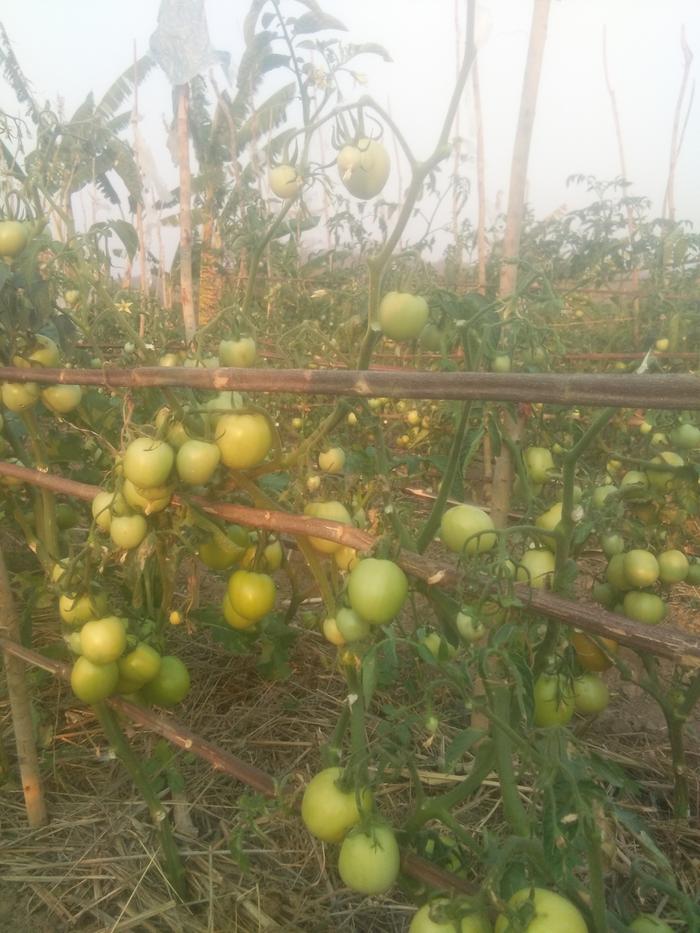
(95, 868)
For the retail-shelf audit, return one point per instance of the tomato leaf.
(316, 22)
(369, 676)
(461, 744)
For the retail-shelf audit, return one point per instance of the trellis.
(670, 392)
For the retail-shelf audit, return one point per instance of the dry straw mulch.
(251, 865)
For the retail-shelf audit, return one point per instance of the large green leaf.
(120, 90)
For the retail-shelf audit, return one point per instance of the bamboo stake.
(669, 206)
(661, 640)
(503, 467)
(480, 180)
(20, 706)
(631, 226)
(624, 390)
(189, 318)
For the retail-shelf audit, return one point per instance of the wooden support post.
(21, 708)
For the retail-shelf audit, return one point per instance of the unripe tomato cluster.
(109, 659)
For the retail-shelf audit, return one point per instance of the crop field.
(350, 546)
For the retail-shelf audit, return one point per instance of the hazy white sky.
(68, 47)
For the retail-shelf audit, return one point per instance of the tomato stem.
(174, 868)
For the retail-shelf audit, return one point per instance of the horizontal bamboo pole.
(661, 640)
(667, 391)
(175, 732)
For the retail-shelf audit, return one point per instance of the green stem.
(358, 735)
(331, 751)
(174, 868)
(512, 805)
(596, 880)
(482, 765)
(428, 531)
(45, 521)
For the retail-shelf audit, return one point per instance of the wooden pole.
(503, 466)
(20, 706)
(189, 318)
(624, 390)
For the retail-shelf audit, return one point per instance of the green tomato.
(196, 462)
(330, 511)
(536, 568)
(660, 479)
(673, 566)
(233, 618)
(351, 626)
(76, 610)
(369, 859)
(470, 628)
(377, 590)
(648, 923)
(364, 168)
(149, 501)
(635, 485)
(686, 436)
(237, 353)
(402, 316)
(601, 493)
(501, 363)
(128, 531)
(285, 183)
(148, 462)
(332, 460)
(461, 523)
(244, 440)
(223, 550)
(103, 640)
(693, 577)
(644, 607)
(435, 917)
(591, 694)
(552, 913)
(93, 682)
(612, 544)
(331, 632)
(615, 573)
(19, 396)
(14, 236)
(140, 665)
(436, 645)
(328, 811)
(554, 700)
(251, 595)
(170, 685)
(538, 463)
(62, 399)
(431, 338)
(641, 568)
